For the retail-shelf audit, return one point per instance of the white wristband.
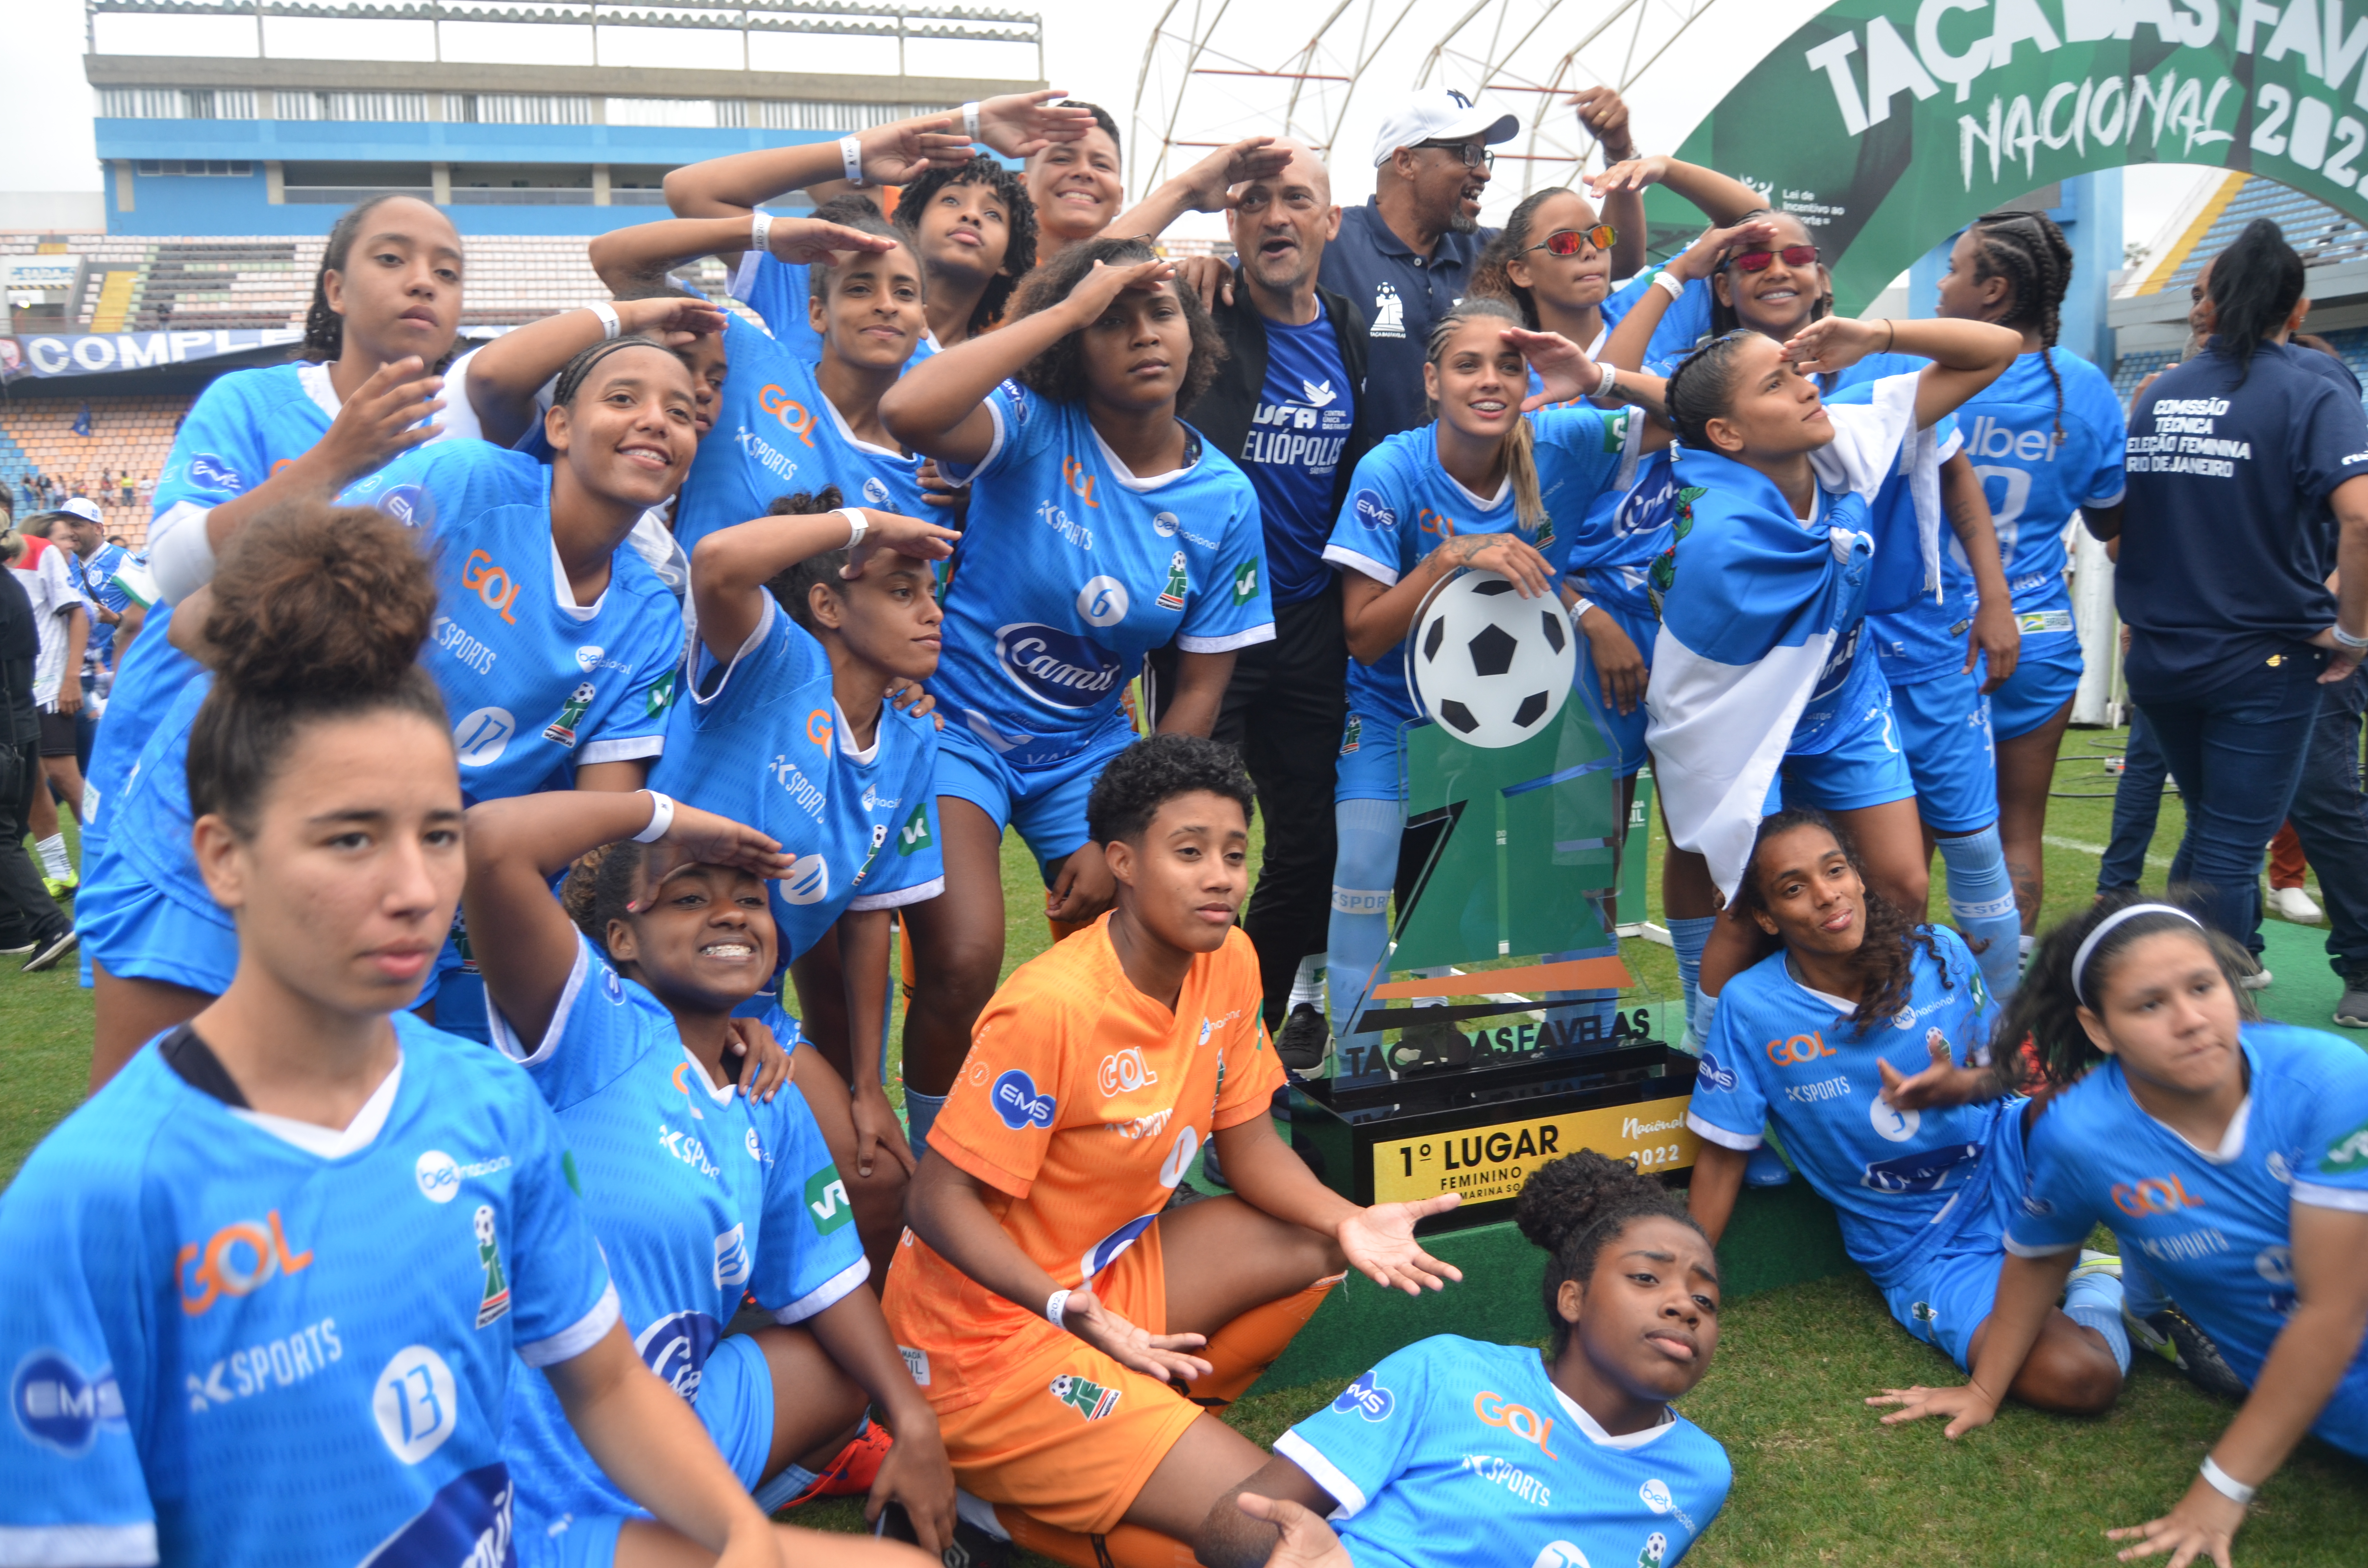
(2225, 1484)
(1053, 1306)
(760, 232)
(1580, 607)
(1609, 378)
(851, 159)
(1674, 287)
(857, 525)
(970, 120)
(610, 325)
(661, 818)
(2348, 643)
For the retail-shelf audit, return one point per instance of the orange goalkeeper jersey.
(1081, 1105)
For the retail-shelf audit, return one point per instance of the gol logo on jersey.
(777, 402)
(2156, 1195)
(1080, 483)
(1124, 1072)
(490, 583)
(1087, 1398)
(237, 1260)
(1800, 1049)
(1519, 1419)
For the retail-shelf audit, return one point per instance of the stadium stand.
(127, 435)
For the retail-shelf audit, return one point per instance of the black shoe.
(1430, 1045)
(48, 950)
(2172, 1334)
(972, 1547)
(2352, 1012)
(1304, 1039)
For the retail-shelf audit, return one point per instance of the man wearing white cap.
(1407, 255)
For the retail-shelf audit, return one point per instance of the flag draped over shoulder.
(1757, 603)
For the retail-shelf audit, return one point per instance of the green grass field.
(1817, 1480)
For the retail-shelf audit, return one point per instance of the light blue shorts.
(1372, 760)
(138, 931)
(1863, 767)
(1949, 1298)
(1046, 804)
(1945, 728)
(2044, 679)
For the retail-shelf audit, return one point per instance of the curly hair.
(1154, 771)
(792, 587)
(601, 886)
(1572, 1206)
(2031, 252)
(324, 329)
(1059, 373)
(2045, 1009)
(316, 616)
(1019, 212)
(1885, 960)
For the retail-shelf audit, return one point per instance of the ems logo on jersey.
(1018, 1102)
(563, 729)
(215, 474)
(1717, 1076)
(1374, 512)
(1086, 1397)
(808, 881)
(826, 1200)
(733, 1265)
(1102, 601)
(495, 1304)
(481, 737)
(410, 504)
(1246, 580)
(60, 1408)
(1368, 1398)
(914, 837)
(875, 491)
(1180, 582)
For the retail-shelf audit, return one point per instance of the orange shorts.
(1065, 1432)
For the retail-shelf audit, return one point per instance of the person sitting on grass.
(1590, 1456)
(1848, 1037)
(1070, 1326)
(2232, 1152)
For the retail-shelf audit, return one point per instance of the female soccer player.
(1865, 1039)
(1758, 663)
(1632, 1305)
(621, 1005)
(2046, 438)
(2232, 1153)
(557, 646)
(1483, 486)
(804, 629)
(305, 1235)
(1553, 259)
(1107, 529)
(1050, 1297)
(975, 232)
(385, 314)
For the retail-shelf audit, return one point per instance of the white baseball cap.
(1439, 114)
(86, 510)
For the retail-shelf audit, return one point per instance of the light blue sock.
(1689, 936)
(2094, 1301)
(1363, 870)
(920, 1115)
(1981, 901)
(775, 1495)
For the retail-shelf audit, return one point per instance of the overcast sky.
(45, 117)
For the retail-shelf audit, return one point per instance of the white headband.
(2089, 944)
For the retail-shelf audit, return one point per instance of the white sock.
(54, 856)
(1307, 985)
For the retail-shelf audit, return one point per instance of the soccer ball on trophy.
(1491, 667)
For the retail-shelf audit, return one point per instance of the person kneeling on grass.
(619, 999)
(2188, 1120)
(1848, 1037)
(1594, 1464)
(1047, 1298)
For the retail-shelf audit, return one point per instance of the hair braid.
(2031, 252)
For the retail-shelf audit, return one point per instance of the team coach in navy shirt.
(2248, 487)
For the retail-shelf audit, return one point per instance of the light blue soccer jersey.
(1073, 568)
(1455, 1451)
(762, 742)
(152, 816)
(1902, 1183)
(255, 1341)
(698, 1194)
(1910, 630)
(777, 435)
(778, 291)
(2035, 484)
(2214, 1226)
(95, 580)
(1402, 506)
(536, 684)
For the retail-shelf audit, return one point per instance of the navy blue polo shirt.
(1402, 294)
(2227, 534)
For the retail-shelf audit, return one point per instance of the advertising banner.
(44, 355)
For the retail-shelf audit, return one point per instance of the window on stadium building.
(342, 184)
(297, 104)
(176, 103)
(637, 185)
(517, 109)
(522, 185)
(230, 167)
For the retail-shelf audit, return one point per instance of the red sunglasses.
(1570, 241)
(1758, 260)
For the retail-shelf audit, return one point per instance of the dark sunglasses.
(1758, 260)
(1473, 158)
(1568, 242)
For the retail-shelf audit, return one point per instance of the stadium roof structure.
(2150, 316)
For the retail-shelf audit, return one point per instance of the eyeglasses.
(1567, 242)
(1758, 260)
(1475, 157)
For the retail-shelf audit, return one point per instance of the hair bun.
(1564, 1197)
(336, 600)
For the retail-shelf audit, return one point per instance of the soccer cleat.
(17, 950)
(2257, 980)
(852, 1471)
(1304, 1039)
(972, 1547)
(48, 950)
(2172, 1334)
(2352, 1011)
(1432, 1044)
(61, 887)
(2292, 903)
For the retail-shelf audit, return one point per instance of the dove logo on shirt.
(808, 881)
(1056, 668)
(732, 1265)
(1019, 1104)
